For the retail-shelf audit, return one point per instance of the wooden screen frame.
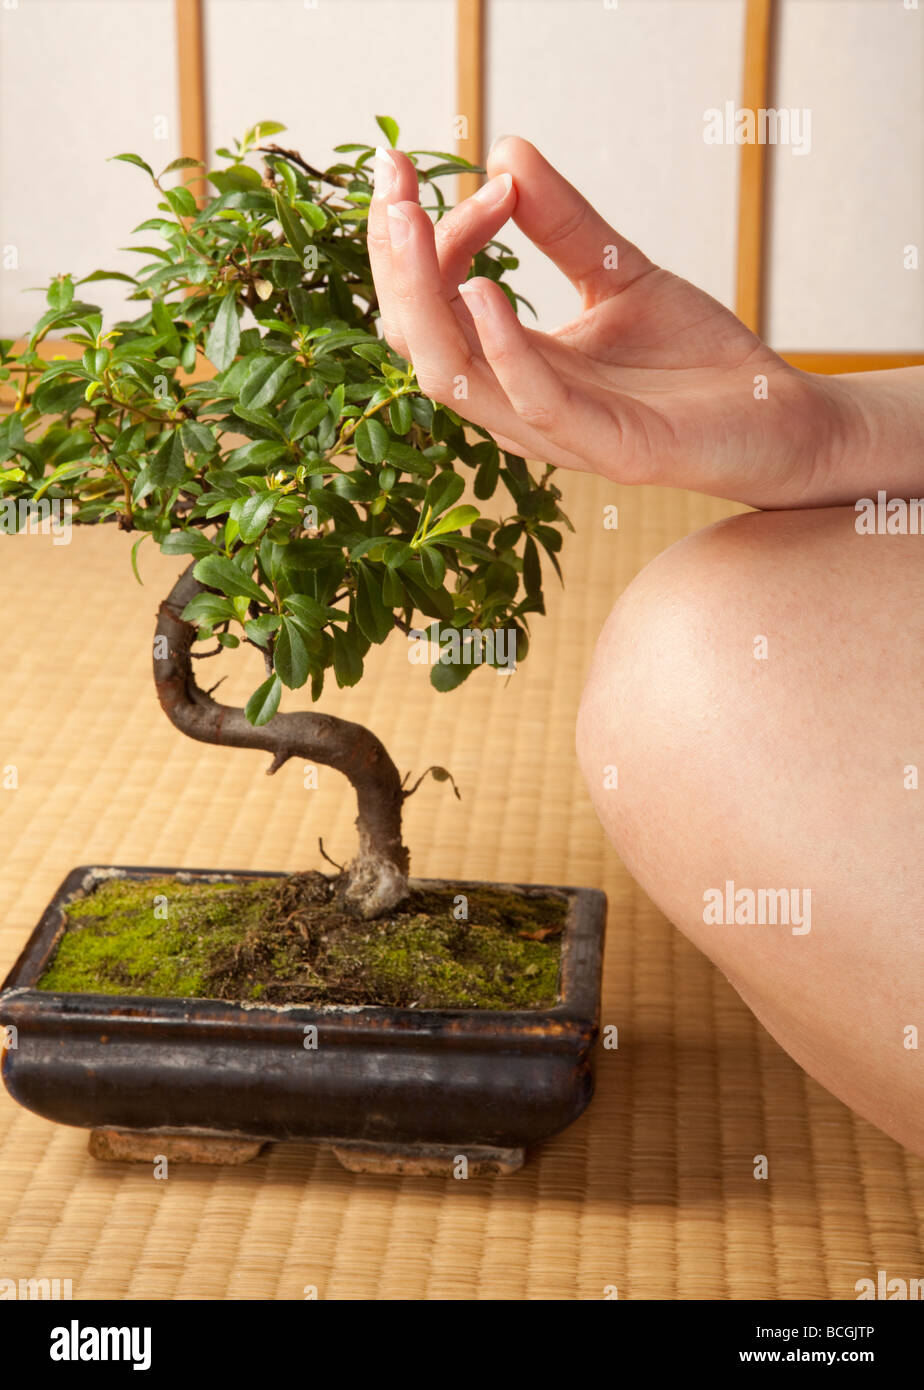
(750, 276)
(470, 97)
(470, 88)
(759, 30)
(189, 20)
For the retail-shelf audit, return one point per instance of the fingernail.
(384, 172)
(495, 191)
(399, 227)
(474, 298)
(496, 141)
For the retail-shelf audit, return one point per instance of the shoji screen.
(80, 80)
(615, 92)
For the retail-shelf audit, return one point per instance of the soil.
(286, 941)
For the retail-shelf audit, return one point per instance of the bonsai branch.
(295, 158)
(440, 774)
(129, 521)
(376, 880)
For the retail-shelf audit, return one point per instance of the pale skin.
(785, 772)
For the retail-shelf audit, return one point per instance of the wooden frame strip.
(470, 88)
(753, 167)
(833, 363)
(190, 55)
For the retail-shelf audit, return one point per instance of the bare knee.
(745, 721)
(673, 691)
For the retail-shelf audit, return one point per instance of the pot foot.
(148, 1145)
(430, 1160)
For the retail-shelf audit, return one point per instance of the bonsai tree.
(314, 487)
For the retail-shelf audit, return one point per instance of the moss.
(286, 941)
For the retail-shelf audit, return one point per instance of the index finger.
(559, 220)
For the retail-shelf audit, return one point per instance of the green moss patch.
(286, 941)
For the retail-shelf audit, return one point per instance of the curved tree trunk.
(376, 880)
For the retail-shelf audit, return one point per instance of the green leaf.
(136, 160)
(445, 489)
(374, 619)
(532, 569)
(307, 418)
(238, 179)
(260, 630)
(393, 593)
(307, 610)
(219, 572)
(185, 161)
(486, 477)
(409, 460)
(436, 603)
(291, 224)
(454, 521)
(371, 438)
(257, 455)
(198, 439)
(313, 215)
(433, 566)
(135, 547)
(261, 130)
(254, 515)
(399, 413)
(261, 418)
(397, 553)
(348, 662)
(182, 201)
(60, 292)
(451, 675)
(263, 381)
(207, 610)
(264, 701)
(389, 129)
(189, 542)
(287, 174)
(64, 470)
(168, 466)
(290, 655)
(107, 275)
(225, 335)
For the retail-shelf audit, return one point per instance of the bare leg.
(784, 772)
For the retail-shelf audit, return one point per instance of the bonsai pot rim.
(388, 1075)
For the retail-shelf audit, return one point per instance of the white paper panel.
(327, 72)
(80, 80)
(615, 99)
(841, 215)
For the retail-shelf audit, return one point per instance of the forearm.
(878, 441)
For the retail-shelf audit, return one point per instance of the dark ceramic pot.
(390, 1089)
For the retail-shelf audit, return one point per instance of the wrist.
(873, 435)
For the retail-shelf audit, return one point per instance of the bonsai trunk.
(376, 880)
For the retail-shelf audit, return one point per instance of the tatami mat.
(651, 1192)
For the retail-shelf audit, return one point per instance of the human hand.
(654, 381)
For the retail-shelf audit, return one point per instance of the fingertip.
(505, 151)
(474, 296)
(399, 222)
(384, 173)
